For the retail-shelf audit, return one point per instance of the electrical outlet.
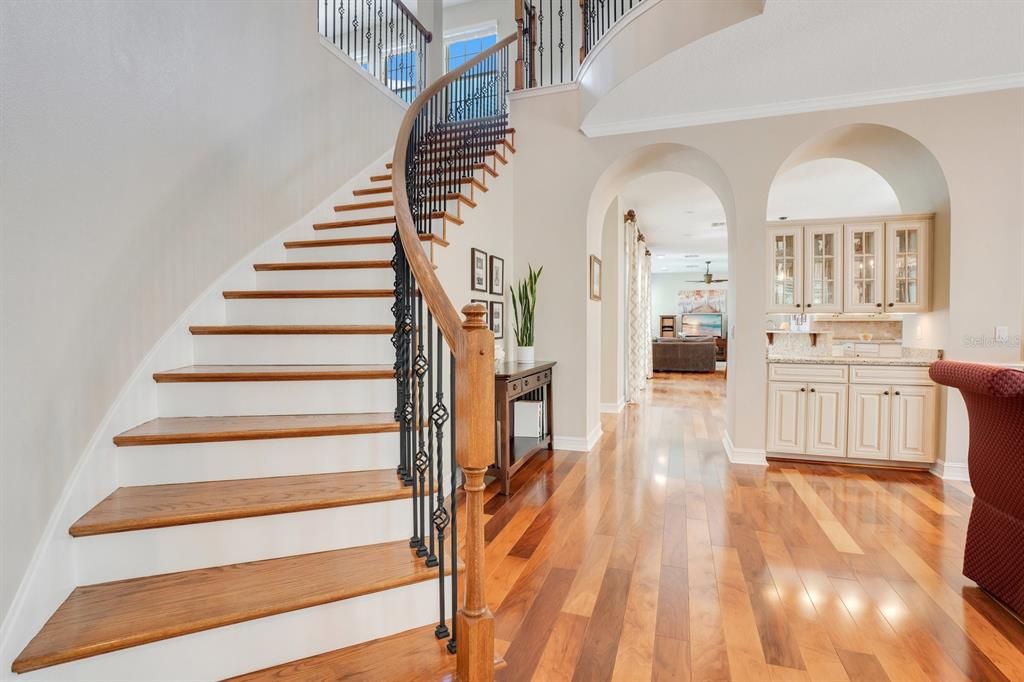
(1002, 334)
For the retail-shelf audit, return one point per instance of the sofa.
(687, 354)
(994, 550)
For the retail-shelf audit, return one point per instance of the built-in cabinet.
(859, 412)
(854, 266)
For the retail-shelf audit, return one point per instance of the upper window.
(462, 50)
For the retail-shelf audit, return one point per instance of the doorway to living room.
(684, 225)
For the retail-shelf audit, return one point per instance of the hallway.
(652, 558)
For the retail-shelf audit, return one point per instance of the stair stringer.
(53, 571)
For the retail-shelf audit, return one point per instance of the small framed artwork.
(487, 309)
(478, 270)
(498, 319)
(595, 278)
(497, 275)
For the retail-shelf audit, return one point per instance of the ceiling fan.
(708, 277)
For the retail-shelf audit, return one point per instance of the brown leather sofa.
(994, 550)
(685, 355)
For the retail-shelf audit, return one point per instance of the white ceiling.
(803, 55)
(675, 212)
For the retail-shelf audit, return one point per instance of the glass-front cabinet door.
(906, 262)
(864, 267)
(823, 268)
(785, 259)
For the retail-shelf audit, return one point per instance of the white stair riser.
(275, 397)
(252, 645)
(346, 252)
(293, 349)
(116, 556)
(361, 278)
(231, 460)
(384, 230)
(310, 310)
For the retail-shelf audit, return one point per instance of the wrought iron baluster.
(441, 518)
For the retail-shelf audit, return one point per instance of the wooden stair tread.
(98, 619)
(414, 655)
(225, 373)
(371, 190)
(310, 293)
(380, 178)
(356, 241)
(449, 196)
(177, 504)
(363, 205)
(383, 220)
(359, 222)
(289, 329)
(172, 430)
(323, 265)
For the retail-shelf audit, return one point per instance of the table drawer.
(529, 383)
(828, 374)
(888, 375)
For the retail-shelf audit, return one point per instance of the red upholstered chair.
(994, 553)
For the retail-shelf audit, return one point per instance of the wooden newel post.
(519, 85)
(474, 409)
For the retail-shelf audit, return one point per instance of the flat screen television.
(702, 324)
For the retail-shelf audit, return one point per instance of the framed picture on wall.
(487, 309)
(497, 275)
(478, 270)
(595, 278)
(497, 321)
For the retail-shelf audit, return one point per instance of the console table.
(519, 381)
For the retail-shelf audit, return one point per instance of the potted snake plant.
(524, 303)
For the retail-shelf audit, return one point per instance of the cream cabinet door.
(869, 422)
(906, 266)
(787, 423)
(823, 268)
(913, 423)
(826, 419)
(785, 270)
(864, 259)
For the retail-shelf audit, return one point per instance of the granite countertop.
(831, 360)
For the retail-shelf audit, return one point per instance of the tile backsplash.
(879, 330)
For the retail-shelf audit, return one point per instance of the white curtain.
(638, 280)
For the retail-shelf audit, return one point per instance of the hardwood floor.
(652, 558)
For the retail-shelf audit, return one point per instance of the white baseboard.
(950, 472)
(577, 444)
(743, 455)
(613, 408)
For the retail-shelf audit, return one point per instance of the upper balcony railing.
(555, 36)
(382, 36)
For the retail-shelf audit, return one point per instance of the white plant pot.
(524, 354)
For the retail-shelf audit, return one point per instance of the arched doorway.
(683, 204)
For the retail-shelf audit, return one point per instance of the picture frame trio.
(487, 275)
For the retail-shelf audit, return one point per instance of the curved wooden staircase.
(267, 501)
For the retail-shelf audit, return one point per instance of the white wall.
(975, 139)
(477, 12)
(487, 227)
(613, 308)
(147, 147)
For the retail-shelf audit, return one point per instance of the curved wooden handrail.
(445, 314)
(412, 17)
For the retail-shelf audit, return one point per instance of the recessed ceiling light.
(692, 255)
(720, 223)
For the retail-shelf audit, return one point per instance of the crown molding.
(890, 96)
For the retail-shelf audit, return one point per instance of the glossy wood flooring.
(651, 558)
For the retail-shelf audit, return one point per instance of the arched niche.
(872, 154)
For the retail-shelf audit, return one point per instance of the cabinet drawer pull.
(879, 305)
(812, 390)
(897, 392)
(885, 393)
(802, 390)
